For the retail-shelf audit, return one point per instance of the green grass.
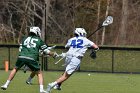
(78, 83)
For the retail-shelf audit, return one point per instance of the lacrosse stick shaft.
(95, 31)
(59, 60)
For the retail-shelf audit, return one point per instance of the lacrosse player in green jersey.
(29, 55)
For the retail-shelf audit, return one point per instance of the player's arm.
(21, 43)
(46, 50)
(68, 43)
(93, 45)
(50, 53)
(96, 48)
(20, 47)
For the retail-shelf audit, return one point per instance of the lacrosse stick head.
(108, 21)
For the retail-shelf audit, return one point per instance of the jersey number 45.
(30, 42)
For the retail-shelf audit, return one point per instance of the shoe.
(4, 87)
(57, 87)
(49, 87)
(29, 83)
(24, 71)
(42, 91)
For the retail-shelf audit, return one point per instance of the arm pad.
(46, 51)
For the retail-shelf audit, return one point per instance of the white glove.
(55, 55)
(63, 55)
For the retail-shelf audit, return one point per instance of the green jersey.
(31, 46)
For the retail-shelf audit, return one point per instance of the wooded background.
(58, 18)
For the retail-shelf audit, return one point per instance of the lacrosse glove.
(93, 54)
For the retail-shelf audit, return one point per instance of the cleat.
(24, 71)
(42, 91)
(49, 87)
(29, 83)
(4, 87)
(57, 87)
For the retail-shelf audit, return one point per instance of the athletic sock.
(41, 87)
(59, 84)
(53, 83)
(29, 79)
(7, 82)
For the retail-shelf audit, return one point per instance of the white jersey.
(78, 46)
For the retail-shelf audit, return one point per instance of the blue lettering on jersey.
(77, 43)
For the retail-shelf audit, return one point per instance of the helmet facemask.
(36, 31)
(80, 32)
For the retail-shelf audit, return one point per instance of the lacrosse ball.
(88, 74)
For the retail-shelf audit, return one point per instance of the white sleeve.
(68, 43)
(90, 43)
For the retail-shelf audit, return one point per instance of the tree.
(58, 18)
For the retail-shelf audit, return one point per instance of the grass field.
(79, 83)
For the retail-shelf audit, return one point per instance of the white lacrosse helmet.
(80, 32)
(36, 30)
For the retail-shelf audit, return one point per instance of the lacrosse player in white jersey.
(77, 48)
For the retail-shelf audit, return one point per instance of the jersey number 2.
(30, 42)
(77, 43)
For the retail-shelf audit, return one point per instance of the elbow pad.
(46, 51)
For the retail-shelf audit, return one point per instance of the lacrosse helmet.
(36, 30)
(80, 32)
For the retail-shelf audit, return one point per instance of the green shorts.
(33, 65)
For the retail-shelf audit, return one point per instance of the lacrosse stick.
(50, 48)
(108, 21)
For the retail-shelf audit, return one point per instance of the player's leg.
(32, 75)
(67, 61)
(25, 68)
(11, 76)
(40, 80)
(29, 80)
(60, 80)
(71, 67)
(18, 65)
(58, 86)
(34, 66)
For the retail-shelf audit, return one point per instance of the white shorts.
(72, 64)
